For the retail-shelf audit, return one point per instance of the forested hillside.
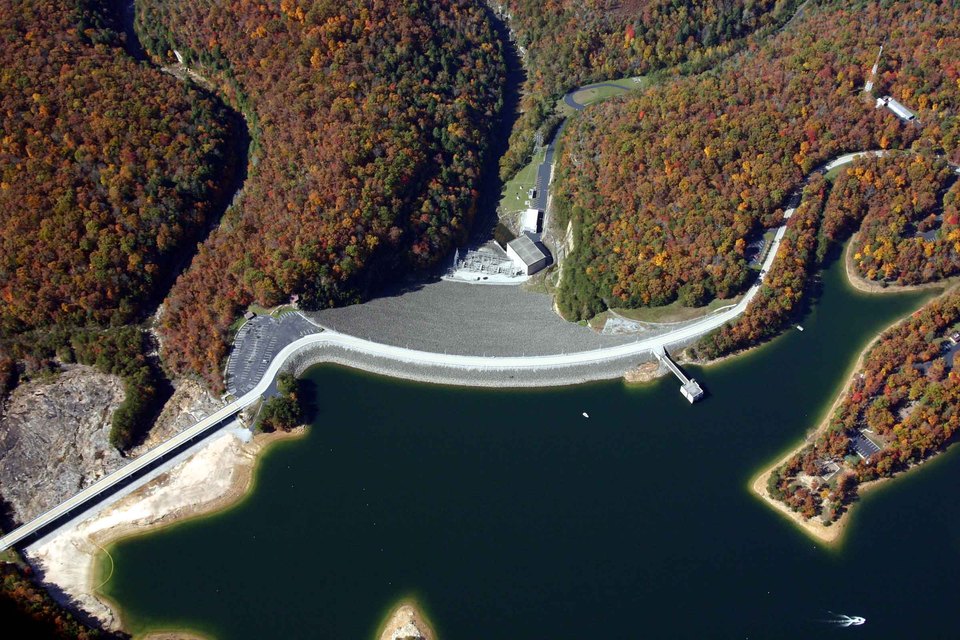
(371, 118)
(666, 188)
(572, 42)
(108, 169)
(908, 228)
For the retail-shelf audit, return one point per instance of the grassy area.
(11, 556)
(831, 175)
(675, 312)
(515, 192)
(276, 312)
(593, 95)
(513, 199)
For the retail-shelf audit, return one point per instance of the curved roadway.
(573, 104)
(502, 364)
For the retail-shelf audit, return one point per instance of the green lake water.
(509, 515)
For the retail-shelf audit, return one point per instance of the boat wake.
(841, 620)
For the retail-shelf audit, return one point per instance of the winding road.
(314, 343)
(573, 104)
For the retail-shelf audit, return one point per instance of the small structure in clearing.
(530, 221)
(898, 109)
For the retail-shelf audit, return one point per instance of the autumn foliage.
(665, 187)
(29, 612)
(108, 169)
(572, 42)
(370, 119)
(908, 230)
(905, 397)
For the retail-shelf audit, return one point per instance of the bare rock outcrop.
(189, 404)
(54, 438)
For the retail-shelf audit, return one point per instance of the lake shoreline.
(860, 283)
(215, 478)
(406, 621)
(832, 535)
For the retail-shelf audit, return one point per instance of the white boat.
(586, 415)
(799, 328)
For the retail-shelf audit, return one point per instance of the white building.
(526, 255)
(898, 109)
(530, 221)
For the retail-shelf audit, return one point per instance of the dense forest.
(906, 235)
(283, 411)
(371, 119)
(572, 42)
(905, 398)
(784, 287)
(667, 187)
(108, 169)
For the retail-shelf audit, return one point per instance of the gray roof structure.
(527, 249)
(898, 109)
(864, 446)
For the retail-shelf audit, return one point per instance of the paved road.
(256, 344)
(568, 99)
(503, 365)
(507, 366)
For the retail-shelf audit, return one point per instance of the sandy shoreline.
(407, 621)
(832, 535)
(212, 479)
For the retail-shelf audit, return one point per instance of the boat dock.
(689, 387)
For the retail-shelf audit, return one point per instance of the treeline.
(108, 168)
(906, 395)
(28, 611)
(784, 286)
(906, 235)
(8, 377)
(284, 411)
(122, 352)
(668, 185)
(572, 42)
(373, 117)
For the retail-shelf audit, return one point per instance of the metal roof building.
(526, 254)
(898, 109)
(530, 221)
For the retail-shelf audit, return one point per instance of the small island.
(407, 622)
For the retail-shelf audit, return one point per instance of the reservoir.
(508, 514)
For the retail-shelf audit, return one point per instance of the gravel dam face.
(510, 514)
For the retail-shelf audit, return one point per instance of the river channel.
(507, 514)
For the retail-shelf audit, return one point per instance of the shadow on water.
(125, 13)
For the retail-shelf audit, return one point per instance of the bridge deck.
(689, 387)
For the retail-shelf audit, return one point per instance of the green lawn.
(276, 312)
(513, 199)
(592, 96)
(675, 312)
(831, 175)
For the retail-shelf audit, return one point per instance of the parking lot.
(255, 345)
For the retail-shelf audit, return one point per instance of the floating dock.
(689, 387)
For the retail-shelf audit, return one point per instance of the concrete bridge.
(689, 387)
(505, 366)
